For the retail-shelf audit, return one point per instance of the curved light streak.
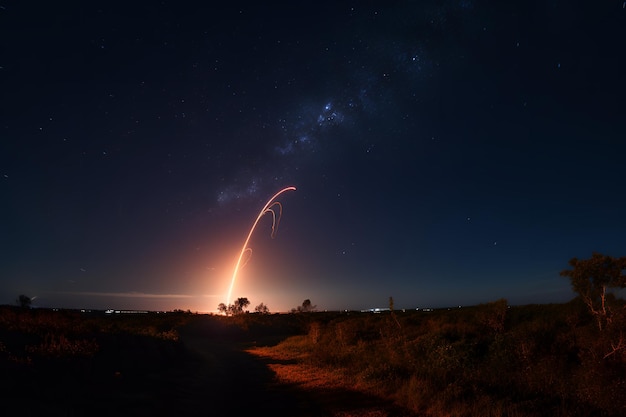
(269, 207)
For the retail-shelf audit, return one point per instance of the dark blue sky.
(444, 152)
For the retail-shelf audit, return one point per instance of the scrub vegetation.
(486, 360)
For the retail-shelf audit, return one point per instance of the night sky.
(444, 152)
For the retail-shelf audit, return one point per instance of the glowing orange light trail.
(268, 208)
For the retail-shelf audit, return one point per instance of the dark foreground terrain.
(55, 363)
(488, 360)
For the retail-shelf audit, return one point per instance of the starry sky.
(445, 153)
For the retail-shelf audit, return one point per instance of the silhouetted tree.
(591, 278)
(262, 309)
(240, 304)
(222, 308)
(24, 301)
(306, 306)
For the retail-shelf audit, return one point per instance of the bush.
(488, 360)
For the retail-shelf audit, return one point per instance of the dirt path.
(227, 380)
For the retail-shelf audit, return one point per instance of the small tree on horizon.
(239, 305)
(234, 309)
(222, 308)
(592, 278)
(306, 306)
(262, 309)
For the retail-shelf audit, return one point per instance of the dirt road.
(222, 379)
(227, 380)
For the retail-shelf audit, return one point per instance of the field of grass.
(487, 360)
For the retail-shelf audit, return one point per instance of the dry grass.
(487, 361)
(291, 367)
